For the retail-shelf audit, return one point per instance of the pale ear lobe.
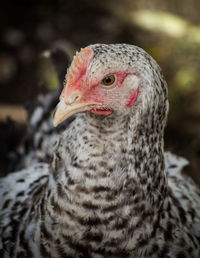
(132, 98)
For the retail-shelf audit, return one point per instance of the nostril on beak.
(74, 97)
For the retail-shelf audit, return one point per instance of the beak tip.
(54, 118)
(59, 114)
(55, 124)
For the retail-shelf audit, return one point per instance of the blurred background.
(168, 30)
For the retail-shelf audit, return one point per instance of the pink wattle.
(132, 98)
(101, 111)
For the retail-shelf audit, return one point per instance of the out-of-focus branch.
(15, 112)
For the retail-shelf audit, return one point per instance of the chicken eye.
(108, 80)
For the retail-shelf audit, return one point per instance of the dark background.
(168, 30)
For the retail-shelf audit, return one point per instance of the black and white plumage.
(40, 136)
(110, 190)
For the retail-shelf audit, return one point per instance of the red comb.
(79, 65)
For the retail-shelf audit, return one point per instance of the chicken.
(110, 190)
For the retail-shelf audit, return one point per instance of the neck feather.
(102, 153)
(106, 176)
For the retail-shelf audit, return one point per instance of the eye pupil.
(108, 80)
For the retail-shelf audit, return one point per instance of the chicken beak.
(61, 113)
(71, 99)
(66, 108)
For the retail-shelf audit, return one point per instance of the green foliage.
(186, 77)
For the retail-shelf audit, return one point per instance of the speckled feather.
(110, 190)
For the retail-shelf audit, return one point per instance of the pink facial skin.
(100, 97)
(97, 92)
(132, 98)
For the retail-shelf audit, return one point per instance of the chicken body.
(110, 190)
